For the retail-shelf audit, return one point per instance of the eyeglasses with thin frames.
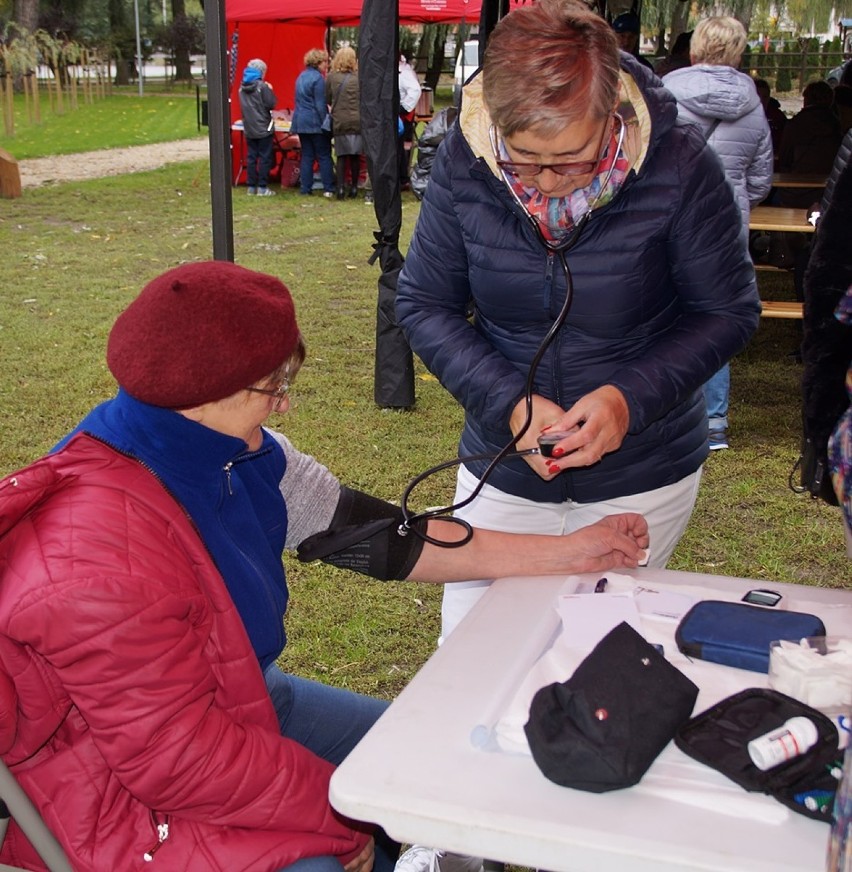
(278, 393)
(573, 168)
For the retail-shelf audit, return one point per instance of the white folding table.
(420, 775)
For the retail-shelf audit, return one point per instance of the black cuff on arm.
(363, 536)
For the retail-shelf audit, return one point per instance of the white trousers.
(667, 511)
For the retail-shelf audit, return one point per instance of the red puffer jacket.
(129, 693)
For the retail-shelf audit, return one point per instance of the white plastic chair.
(19, 807)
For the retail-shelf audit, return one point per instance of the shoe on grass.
(421, 859)
(265, 192)
(251, 191)
(718, 440)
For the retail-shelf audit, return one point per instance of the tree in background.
(181, 38)
(25, 14)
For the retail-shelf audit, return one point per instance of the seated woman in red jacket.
(142, 596)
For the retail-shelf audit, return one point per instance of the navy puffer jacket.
(664, 294)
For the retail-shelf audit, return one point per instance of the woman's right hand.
(364, 861)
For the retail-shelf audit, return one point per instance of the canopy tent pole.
(489, 14)
(378, 68)
(219, 130)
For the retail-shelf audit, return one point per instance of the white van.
(467, 63)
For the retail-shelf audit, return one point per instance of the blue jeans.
(716, 392)
(330, 722)
(259, 161)
(315, 146)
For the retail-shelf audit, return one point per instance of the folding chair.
(14, 803)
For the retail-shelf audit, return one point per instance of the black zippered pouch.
(719, 737)
(737, 634)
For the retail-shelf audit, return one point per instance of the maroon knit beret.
(201, 332)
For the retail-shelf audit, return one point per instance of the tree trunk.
(25, 14)
(183, 64)
(680, 17)
(436, 56)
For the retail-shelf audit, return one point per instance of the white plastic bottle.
(787, 741)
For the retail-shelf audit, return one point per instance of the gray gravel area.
(109, 162)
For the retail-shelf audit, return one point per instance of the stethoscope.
(559, 248)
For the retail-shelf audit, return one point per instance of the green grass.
(75, 254)
(122, 119)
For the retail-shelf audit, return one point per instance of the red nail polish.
(557, 452)
(553, 469)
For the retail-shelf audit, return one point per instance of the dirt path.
(109, 162)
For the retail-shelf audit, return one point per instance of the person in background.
(256, 104)
(809, 144)
(775, 117)
(827, 336)
(142, 595)
(409, 95)
(724, 104)
(344, 97)
(308, 116)
(678, 56)
(567, 186)
(628, 30)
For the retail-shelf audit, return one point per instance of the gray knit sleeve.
(310, 491)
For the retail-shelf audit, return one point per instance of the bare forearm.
(492, 554)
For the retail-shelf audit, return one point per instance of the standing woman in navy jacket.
(568, 192)
(308, 116)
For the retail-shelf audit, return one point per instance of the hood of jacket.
(641, 101)
(713, 92)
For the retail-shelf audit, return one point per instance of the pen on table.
(600, 585)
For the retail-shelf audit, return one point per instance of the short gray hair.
(257, 64)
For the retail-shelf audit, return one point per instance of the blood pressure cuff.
(363, 536)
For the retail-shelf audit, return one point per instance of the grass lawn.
(122, 119)
(76, 254)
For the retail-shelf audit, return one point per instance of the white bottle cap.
(787, 741)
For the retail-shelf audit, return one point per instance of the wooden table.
(784, 218)
(799, 180)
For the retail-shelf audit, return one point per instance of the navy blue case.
(737, 634)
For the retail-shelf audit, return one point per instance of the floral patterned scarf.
(556, 216)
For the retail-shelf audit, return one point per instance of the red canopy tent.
(281, 31)
(347, 13)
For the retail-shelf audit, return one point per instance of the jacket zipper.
(162, 834)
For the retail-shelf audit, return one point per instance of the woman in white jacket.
(724, 103)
